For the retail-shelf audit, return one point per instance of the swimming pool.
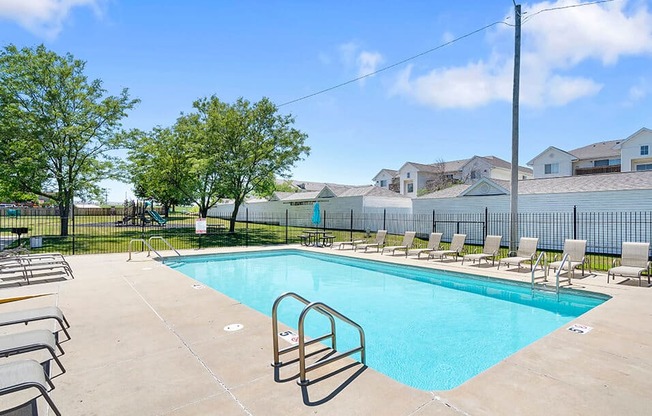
(429, 329)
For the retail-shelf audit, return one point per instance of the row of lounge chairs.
(23, 374)
(633, 263)
(22, 265)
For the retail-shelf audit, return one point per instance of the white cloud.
(368, 63)
(364, 62)
(44, 18)
(638, 92)
(554, 44)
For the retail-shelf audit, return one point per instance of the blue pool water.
(428, 329)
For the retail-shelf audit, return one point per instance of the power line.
(571, 6)
(437, 48)
(393, 65)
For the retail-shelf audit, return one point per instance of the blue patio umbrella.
(316, 214)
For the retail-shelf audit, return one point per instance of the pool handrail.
(148, 244)
(142, 240)
(541, 258)
(277, 353)
(561, 267)
(303, 369)
(158, 237)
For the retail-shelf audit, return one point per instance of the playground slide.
(156, 217)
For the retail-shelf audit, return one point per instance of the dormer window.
(645, 150)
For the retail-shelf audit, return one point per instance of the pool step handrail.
(564, 260)
(303, 369)
(325, 310)
(277, 353)
(167, 243)
(145, 243)
(540, 262)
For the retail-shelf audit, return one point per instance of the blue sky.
(585, 73)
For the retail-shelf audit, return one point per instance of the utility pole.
(513, 228)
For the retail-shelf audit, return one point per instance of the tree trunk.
(64, 208)
(203, 212)
(234, 215)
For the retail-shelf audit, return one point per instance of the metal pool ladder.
(543, 286)
(331, 314)
(148, 244)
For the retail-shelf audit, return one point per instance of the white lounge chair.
(28, 341)
(20, 375)
(456, 248)
(633, 262)
(526, 252)
(26, 265)
(36, 314)
(489, 250)
(575, 253)
(343, 244)
(378, 244)
(408, 240)
(433, 244)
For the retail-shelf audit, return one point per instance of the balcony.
(597, 170)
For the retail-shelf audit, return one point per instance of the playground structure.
(140, 213)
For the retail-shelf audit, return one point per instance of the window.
(474, 174)
(645, 150)
(408, 175)
(647, 166)
(551, 168)
(383, 183)
(410, 188)
(603, 162)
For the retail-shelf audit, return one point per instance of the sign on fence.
(200, 226)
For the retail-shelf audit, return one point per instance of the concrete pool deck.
(147, 341)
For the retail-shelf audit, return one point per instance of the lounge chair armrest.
(511, 254)
(616, 262)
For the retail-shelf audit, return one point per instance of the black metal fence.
(99, 230)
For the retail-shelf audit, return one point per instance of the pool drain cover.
(233, 327)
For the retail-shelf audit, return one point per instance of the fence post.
(384, 219)
(286, 226)
(351, 229)
(72, 214)
(246, 227)
(434, 223)
(574, 222)
(485, 231)
(324, 221)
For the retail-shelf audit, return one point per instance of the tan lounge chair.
(378, 244)
(37, 314)
(489, 250)
(633, 262)
(455, 249)
(19, 375)
(343, 244)
(526, 252)
(433, 244)
(576, 251)
(29, 341)
(408, 240)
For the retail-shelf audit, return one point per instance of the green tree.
(219, 151)
(153, 168)
(56, 126)
(256, 145)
